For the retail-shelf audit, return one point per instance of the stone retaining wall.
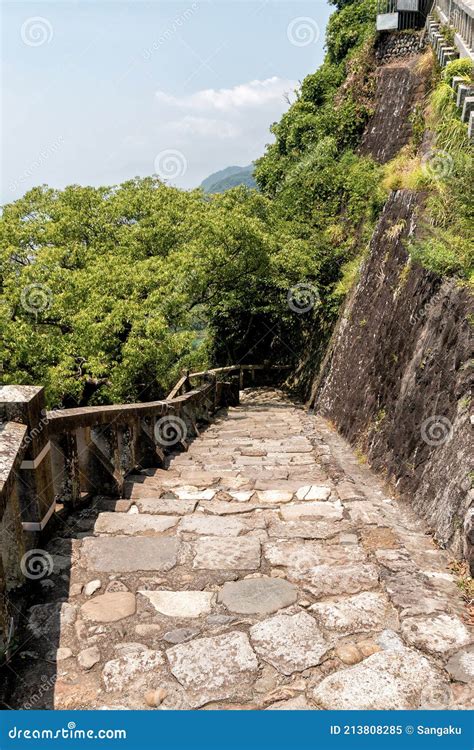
(397, 45)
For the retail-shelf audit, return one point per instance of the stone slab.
(211, 526)
(388, 680)
(258, 596)
(231, 553)
(109, 607)
(461, 665)
(185, 493)
(166, 506)
(214, 668)
(290, 643)
(133, 524)
(313, 492)
(331, 580)
(122, 554)
(274, 497)
(181, 604)
(365, 612)
(225, 508)
(304, 555)
(440, 635)
(135, 664)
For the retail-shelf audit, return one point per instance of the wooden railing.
(66, 455)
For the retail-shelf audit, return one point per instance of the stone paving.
(265, 568)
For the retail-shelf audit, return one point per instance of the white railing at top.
(460, 15)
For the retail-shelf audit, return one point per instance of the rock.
(109, 607)
(75, 589)
(257, 596)
(89, 657)
(328, 510)
(348, 653)
(181, 604)
(136, 665)
(313, 492)
(461, 665)
(63, 653)
(212, 526)
(410, 594)
(367, 648)
(274, 497)
(186, 493)
(124, 554)
(180, 635)
(267, 681)
(330, 580)
(219, 620)
(363, 612)
(91, 587)
(214, 553)
(115, 586)
(241, 496)
(290, 643)
(165, 506)
(437, 635)
(150, 630)
(299, 703)
(304, 556)
(348, 539)
(389, 680)
(153, 698)
(225, 508)
(141, 523)
(216, 668)
(388, 640)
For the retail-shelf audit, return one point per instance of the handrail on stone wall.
(65, 455)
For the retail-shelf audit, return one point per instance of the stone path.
(265, 569)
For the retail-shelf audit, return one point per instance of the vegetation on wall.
(106, 294)
(442, 168)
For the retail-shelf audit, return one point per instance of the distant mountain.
(228, 178)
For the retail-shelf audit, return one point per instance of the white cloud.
(254, 94)
(205, 127)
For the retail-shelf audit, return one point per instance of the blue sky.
(98, 92)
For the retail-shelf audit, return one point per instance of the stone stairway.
(264, 568)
